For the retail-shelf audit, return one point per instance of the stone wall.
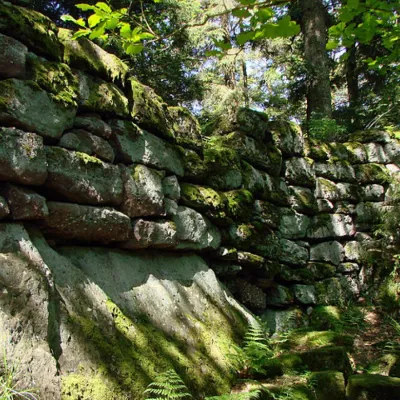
(91, 157)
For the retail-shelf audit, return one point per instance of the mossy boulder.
(337, 290)
(293, 225)
(149, 110)
(284, 320)
(4, 208)
(22, 157)
(370, 135)
(287, 275)
(206, 200)
(240, 204)
(81, 178)
(93, 124)
(196, 169)
(300, 171)
(54, 77)
(384, 365)
(372, 173)
(31, 28)
(134, 145)
(186, 128)
(328, 385)
(338, 171)
(326, 317)
(357, 152)
(328, 190)
(266, 214)
(320, 270)
(23, 104)
(288, 137)
(87, 224)
(279, 296)
(373, 387)
(303, 200)
(98, 96)
(85, 55)
(13, 60)
(331, 226)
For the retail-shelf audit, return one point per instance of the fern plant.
(167, 386)
(255, 352)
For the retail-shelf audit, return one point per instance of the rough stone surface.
(330, 226)
(13, 58)
(94, 124)
(251, 295)
(250, 260)
(300, 171)
(304, 294)
(86, 55)
(337, 290)
(194, 231)
(371, 173)
(339, 171)
(326, 189)
(154, 234)
(149, 110)
(86, 223)
(288, 137)
(98, 96)
(4, 209)
(279, 296)
(373, 387)
(171, 187)
(267, 214)
(293, 225)
(143, 193)
(332, 252)
(23, 103)
(82, 178)
(22, 157)
(392, 151)
(284, 320)
(25, 204)
(302, 200)
(135, 145)
(373, 193)
(368, 215)
(171, 207)
(85, 142)
(375, 153)
(33, 29)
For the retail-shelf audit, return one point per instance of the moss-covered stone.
(357, 152)
(325, 317)
(303, 200)
(186, 128)
(239, 204)
(370, 135)
(288, 137)
(196, 169)
(33, 29)
(149, 110)
(56, 78)
(383, 365)
(25, 105)
(328, 385)
(98, 96)
(372, 173)
(373, 387)
(85, 55)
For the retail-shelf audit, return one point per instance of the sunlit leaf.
(69, 18)
(332, 44)
(244, 37)
(134, 49)
(264, 14)
(103, 6)
(80, 33)
(85, 7)
(125, 31)
(241, 13)
(94, 20)
(112, 23)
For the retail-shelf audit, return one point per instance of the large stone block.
(25, 105)
(153, 234)
(4, 209)
(392, 151)
(25, 204)
(339, 171)
(267, 214)
(33, 29)
(373, 387)
(288, 137)
(369, 215)
(82, 178)
(304, 294)
(293, 225)
(279, 296)
(251, 295)
(376, 153)
(54, 77)
(372, 173)
(143, 192)
(86, 223)
(22, 157)
(93, 124)
(284, 320)
(326, 189)
(357, 152)
(337, 290)
(13, 58)
(332, 252)
(194, 231)
(149, 110)
(372, 193)
(85, 55)
(135, 145)
(331, 226)
(98, 96)
(300, 171)
(303, 200)
(84, 142)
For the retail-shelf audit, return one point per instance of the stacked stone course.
(91, 156)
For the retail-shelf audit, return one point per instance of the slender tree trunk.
(245, 85)
(313, 23)
(352, 85)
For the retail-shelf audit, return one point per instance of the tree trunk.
(313, 24)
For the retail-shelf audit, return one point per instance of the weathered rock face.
(91, 157)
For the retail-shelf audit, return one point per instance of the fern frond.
(167, 386)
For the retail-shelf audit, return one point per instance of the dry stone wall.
(90, 156)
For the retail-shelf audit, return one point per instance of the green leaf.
(94, 20)
(80, 33)
(242, 13)
(69, 18)
(99, 31)
(103, 6)
(264, 14)
(146, 35)
(223, 45)
(332, 44)
(133, 49)
(244, 37)
(287, 27)
(247, 2)
(213, 53)
(85, 7)
(112, 23)
(125, 31)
